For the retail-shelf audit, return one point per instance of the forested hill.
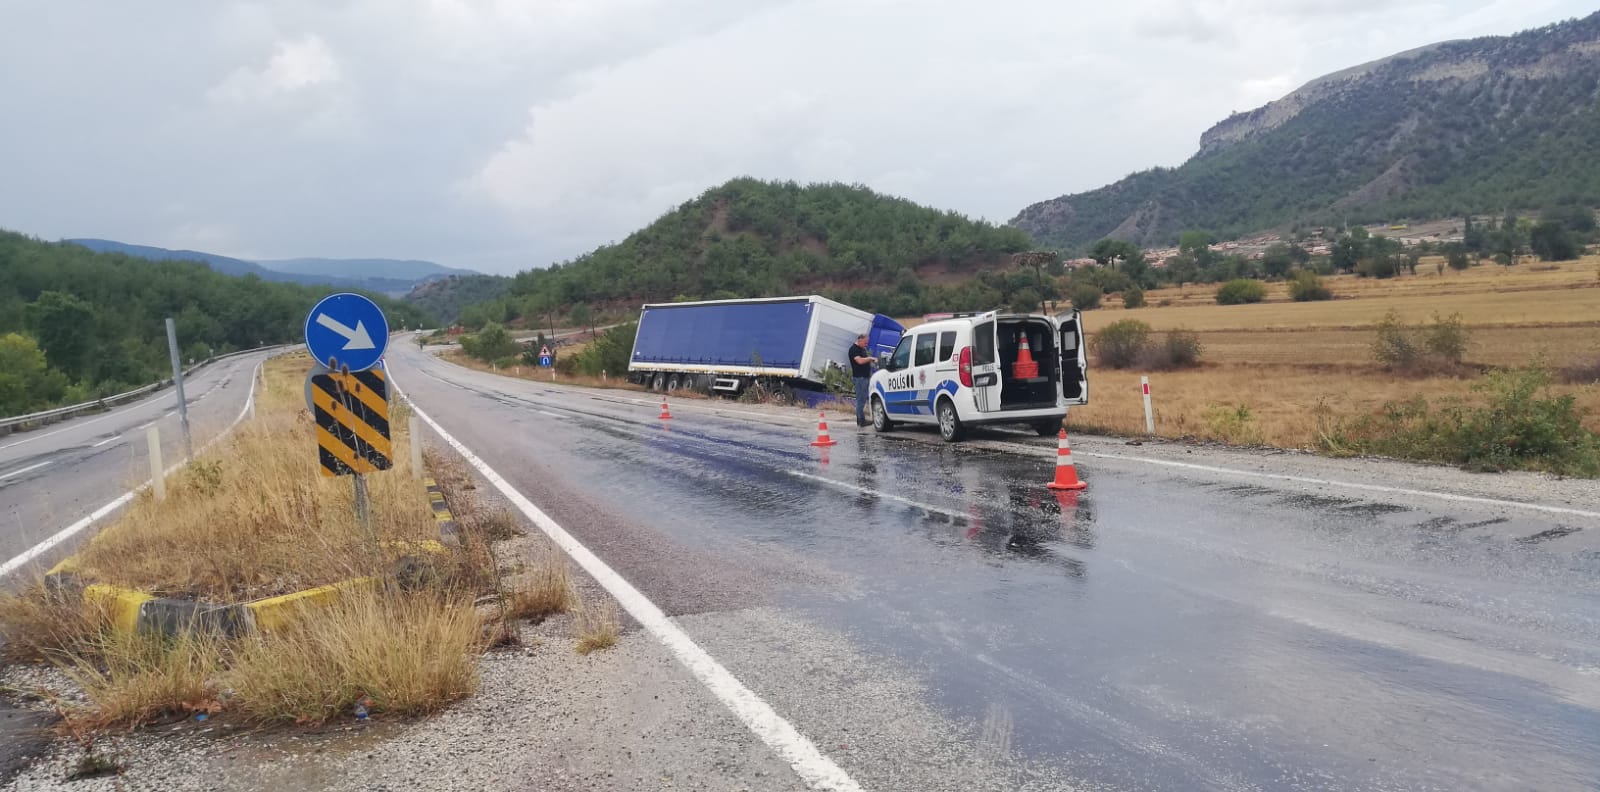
(76, 324)
(750, 238)
(1465, 126)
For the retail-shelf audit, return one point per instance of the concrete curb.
(130, 611)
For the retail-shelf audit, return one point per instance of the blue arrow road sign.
(544, 360)
(347, 330)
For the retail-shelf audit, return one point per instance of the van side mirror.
(883, 359)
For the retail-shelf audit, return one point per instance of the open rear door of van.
(1074, 360)
(986, 362)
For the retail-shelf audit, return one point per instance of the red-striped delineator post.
(1149, 416)
(1066, 472)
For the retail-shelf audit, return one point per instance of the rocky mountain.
(1463, 126)
(393, 277)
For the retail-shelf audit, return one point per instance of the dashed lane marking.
(813, 766)
(14, 473)
(111, 439)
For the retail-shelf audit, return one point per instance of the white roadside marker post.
(157, 480)
(1149, 416)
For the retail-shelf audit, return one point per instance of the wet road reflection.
(1155, 631)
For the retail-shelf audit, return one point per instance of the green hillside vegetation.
(75, 324)
(1463, 127)
(749, 238)
(445, 298)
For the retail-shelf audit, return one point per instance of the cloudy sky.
(505, 134)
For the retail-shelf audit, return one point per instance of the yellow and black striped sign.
(352, 414)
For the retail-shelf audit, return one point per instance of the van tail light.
(966, 367)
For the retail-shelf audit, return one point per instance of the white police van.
(969, 370)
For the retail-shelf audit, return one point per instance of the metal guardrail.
(9, 425)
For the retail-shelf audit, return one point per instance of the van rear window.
(983, 344)
(947, 345)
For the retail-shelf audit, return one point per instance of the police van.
(980, 369)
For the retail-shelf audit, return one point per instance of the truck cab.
(983, 369)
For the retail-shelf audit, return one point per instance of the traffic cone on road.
(1025, 367)
(823, 440)
(1066, 472)
(665, 415)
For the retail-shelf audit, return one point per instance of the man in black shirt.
(861, 373)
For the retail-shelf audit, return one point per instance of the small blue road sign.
(347, 330)
(544, 360)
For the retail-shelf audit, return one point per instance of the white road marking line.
(879, 494)
(123, 499)
(1538, 507)
(24, 470)
(814, 767)
(107, 440)
(547, 412)
(78, 425)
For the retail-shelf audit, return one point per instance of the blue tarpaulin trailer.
(723, 346)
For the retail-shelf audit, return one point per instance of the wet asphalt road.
(1165, 630)
(55, 475)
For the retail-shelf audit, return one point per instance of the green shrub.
(1307, 287)
(491, 344)
(1233, 425)
(1133, 297)
(1121, 343)
(1457, 258)
(1519, 425)
(610, 353)
(1180, 350)
(1243, 290)
(1086, 297)
(1438, 348)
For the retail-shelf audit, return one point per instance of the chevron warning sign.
(352, 415)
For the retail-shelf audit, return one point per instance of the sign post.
(547, 360)
(177, 381)
(349, 396)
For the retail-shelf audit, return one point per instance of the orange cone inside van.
(823, 440)
(1066, 472)
(1025, 367)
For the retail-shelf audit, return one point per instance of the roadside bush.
(1180, 349)
(1439, 348)
(1133, 297)
(1121, 343)
(1241, 291)
(1086, 297)
(610, 352)
(491, 344)
(1457, 258)
(1233, 425)
(1518, 425)
(1307, 287)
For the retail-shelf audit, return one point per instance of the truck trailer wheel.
(950, 428)
(880, 416)
(658, 382)
(673, 383)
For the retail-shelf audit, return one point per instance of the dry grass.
(134, 678)
(255, 518)
(1298, 369)
(36, 626)
(597, 627)
(618, 380)
(543, 590)
(402, 654)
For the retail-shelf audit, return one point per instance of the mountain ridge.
(1455, 127)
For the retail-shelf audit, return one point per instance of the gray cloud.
(503, 135)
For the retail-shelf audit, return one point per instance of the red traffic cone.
(1025, 367)
(823, 440)
(1066, 472)
(664, 414)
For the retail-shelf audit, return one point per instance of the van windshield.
(983, 344)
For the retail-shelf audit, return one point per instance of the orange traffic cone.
(1025, 367)
(823, 440)
(1066, 473)
(664, 414)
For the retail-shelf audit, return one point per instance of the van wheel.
(1047, 428)
(949, 423)
(880, 416)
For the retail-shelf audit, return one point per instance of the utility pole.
(177, 381)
